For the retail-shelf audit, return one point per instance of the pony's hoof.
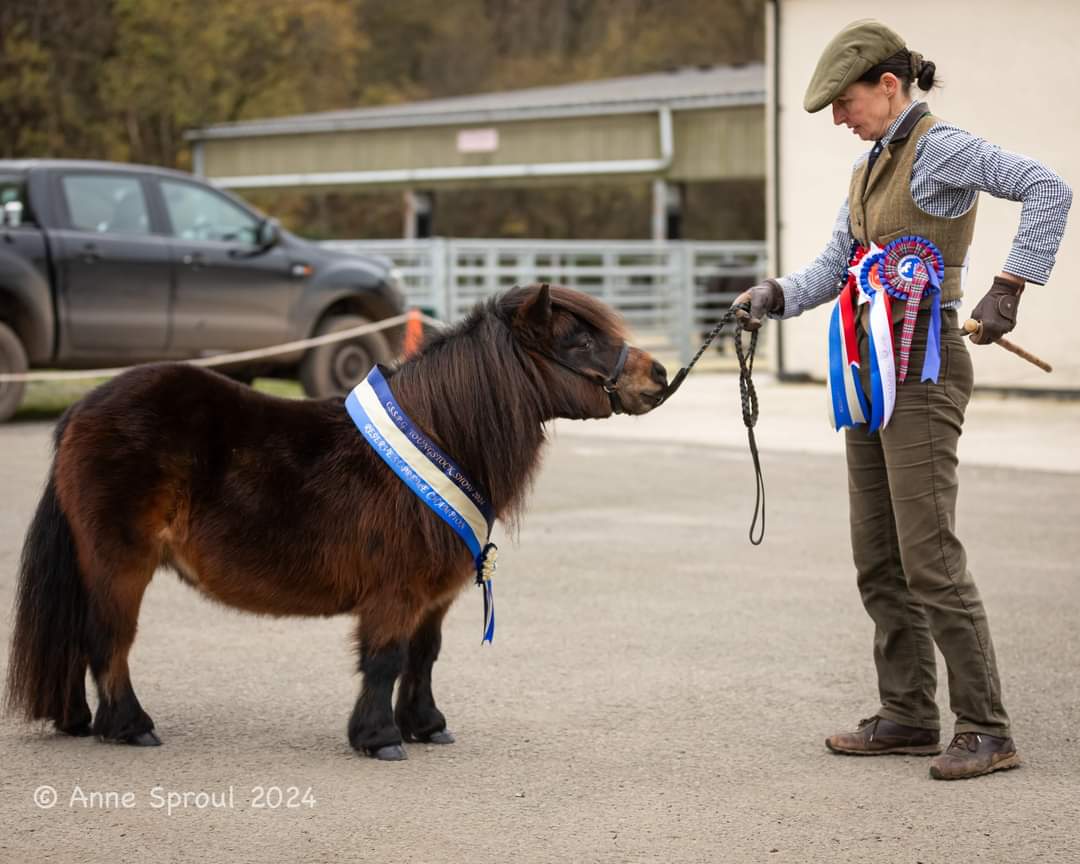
(444, 736)
(144, 739)
(389, 753)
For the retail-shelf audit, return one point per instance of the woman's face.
(868, 109)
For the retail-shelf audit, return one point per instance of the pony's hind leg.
(371, 727)
(416, 714)
(111, 625)
(77, 717)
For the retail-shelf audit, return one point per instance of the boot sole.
(921, 750)
(1004, 765)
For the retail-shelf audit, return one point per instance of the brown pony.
(280, 507)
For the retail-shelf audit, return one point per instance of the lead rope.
(747, 396)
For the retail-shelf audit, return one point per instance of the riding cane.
(975, 327)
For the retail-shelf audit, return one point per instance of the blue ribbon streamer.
(489, 613)
(932, 360)
(841, 412)
(877, 392)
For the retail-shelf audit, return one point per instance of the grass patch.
(47, 400)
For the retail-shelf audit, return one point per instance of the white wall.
(1008, 70)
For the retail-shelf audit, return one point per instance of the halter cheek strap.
(609, 384)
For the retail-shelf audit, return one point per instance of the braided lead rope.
(749, 400)
(747, 397)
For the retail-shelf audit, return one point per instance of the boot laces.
(967, 740)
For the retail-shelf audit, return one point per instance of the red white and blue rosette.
(911, 267)
(880, 337)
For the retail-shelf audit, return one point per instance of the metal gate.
(669, 292)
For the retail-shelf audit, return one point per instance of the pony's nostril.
(659, 373)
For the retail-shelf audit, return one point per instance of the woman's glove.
(996, 311)
(765, 298)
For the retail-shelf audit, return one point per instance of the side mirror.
(13, 213)
(268, 234)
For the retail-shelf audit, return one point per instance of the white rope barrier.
(236, 357)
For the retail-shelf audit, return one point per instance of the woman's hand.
(997, 310)
(765, 298)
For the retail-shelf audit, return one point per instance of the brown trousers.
(911, 567)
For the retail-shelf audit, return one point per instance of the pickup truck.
(103, 264)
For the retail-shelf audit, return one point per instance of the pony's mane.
(475, 390)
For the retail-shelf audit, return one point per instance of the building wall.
(1005, 68)
(710, 144)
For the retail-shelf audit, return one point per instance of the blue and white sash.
(430, 475)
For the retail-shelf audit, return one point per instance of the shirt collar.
(901, 127)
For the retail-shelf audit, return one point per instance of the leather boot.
(973, 753)
(877, 736)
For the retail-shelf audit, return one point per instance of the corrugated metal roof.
(709, 87)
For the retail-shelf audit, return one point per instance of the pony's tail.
(47, 666)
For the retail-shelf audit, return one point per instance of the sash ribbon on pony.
(430, 475)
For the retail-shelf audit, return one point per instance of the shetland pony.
(280, 507)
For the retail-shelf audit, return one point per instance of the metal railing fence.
(670, 292)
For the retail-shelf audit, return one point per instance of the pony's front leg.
(371, 727)
(416, 714)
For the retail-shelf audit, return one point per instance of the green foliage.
(123, 79)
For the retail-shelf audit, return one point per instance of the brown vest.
(882, 208)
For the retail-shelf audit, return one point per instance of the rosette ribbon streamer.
(848, 404)
(847, 401)
(912, 267)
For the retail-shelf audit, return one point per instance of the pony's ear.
(535, 316)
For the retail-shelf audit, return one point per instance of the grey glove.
(765, 298)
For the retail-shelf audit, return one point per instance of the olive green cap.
(854, 51)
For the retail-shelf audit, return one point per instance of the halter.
(609, 383)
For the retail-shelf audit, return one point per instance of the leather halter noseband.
(609, 383)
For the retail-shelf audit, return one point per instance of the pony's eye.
(584, 342)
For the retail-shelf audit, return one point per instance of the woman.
(897, 258)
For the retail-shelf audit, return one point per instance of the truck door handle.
(193, 259)
(90, 253)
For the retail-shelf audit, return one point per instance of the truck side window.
(106, 203)
(13, 191)
(200, 214)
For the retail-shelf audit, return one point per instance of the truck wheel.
(12, 359)
(333, 370)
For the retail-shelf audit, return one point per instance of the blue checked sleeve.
(950, 159)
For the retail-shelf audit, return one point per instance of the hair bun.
(925, 75)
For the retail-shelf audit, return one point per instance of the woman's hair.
(908, 66)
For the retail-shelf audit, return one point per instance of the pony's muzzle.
(644, 384)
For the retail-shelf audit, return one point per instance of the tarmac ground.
(658, 688)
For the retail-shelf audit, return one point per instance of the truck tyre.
(12, 359)
(334, 369)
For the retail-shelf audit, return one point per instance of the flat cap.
(852, 52)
